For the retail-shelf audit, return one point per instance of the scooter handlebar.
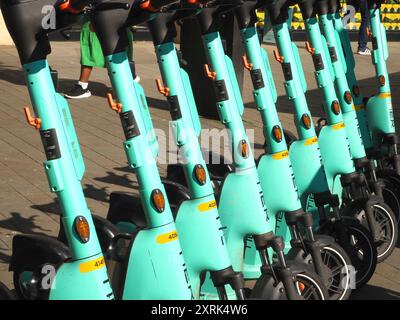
(155, 5)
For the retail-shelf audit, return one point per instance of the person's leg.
(85, 74)
(363, 32)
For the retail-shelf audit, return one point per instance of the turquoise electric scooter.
(196, 215)
(380, 185)
(343, 230)
(341, 132)
(197, 219)
(305, 155)
(375, 114)
(80, 268)
(230, 108)
(43, 267)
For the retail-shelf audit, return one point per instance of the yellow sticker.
(92, 265)
(338, 126)
(385, 95)
(359, 107)
(207, 205)
(167, 237)
(311, 141)
(280, 155)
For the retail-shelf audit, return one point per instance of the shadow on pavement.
(370, 292)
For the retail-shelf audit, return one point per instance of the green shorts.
(91, 53)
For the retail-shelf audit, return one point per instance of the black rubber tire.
(5, 293)
(360, 248)
(391, 195)
(361, 240)
(386, 241)
(392, 183)
(266, 289)
(337, 260)
(313, 283)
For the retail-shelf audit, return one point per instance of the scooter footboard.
(155, 266)
(85, 279)
(245, 211)
(279, 197)
(353, 133)
(380, 117)
(307, 166)
(195, 216)
(335, 151)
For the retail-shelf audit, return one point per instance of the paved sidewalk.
(27, 206)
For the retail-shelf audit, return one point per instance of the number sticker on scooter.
(338, 126)
(280, 155)
(385, 95)
(167, 237)
(207, 205)
(311, 141)
(359, 107)
(92, 265)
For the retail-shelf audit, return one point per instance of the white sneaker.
(365, 52)
(137, 79)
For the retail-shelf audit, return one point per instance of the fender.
(127, 206)
(44, 250)
(217, 171)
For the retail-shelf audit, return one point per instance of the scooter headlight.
(305, 118)
(158, 200)
(347, 97)
(200, 174)
(382, 80)
(244, 148)
(277, 133)
(336, 107)
(82, 228)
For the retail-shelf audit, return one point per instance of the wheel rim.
(392, 200)
(361, 255)
(339, 273)
(308, 288)
(385, 225)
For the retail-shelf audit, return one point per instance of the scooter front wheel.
(339, 280)
(308, 285)
(386, 233)
(360, 247)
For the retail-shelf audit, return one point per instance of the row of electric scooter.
(309, 220)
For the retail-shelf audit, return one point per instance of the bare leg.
(85, 74)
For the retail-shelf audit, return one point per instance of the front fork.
(355, 189)
(280, 272)
(309, 245)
